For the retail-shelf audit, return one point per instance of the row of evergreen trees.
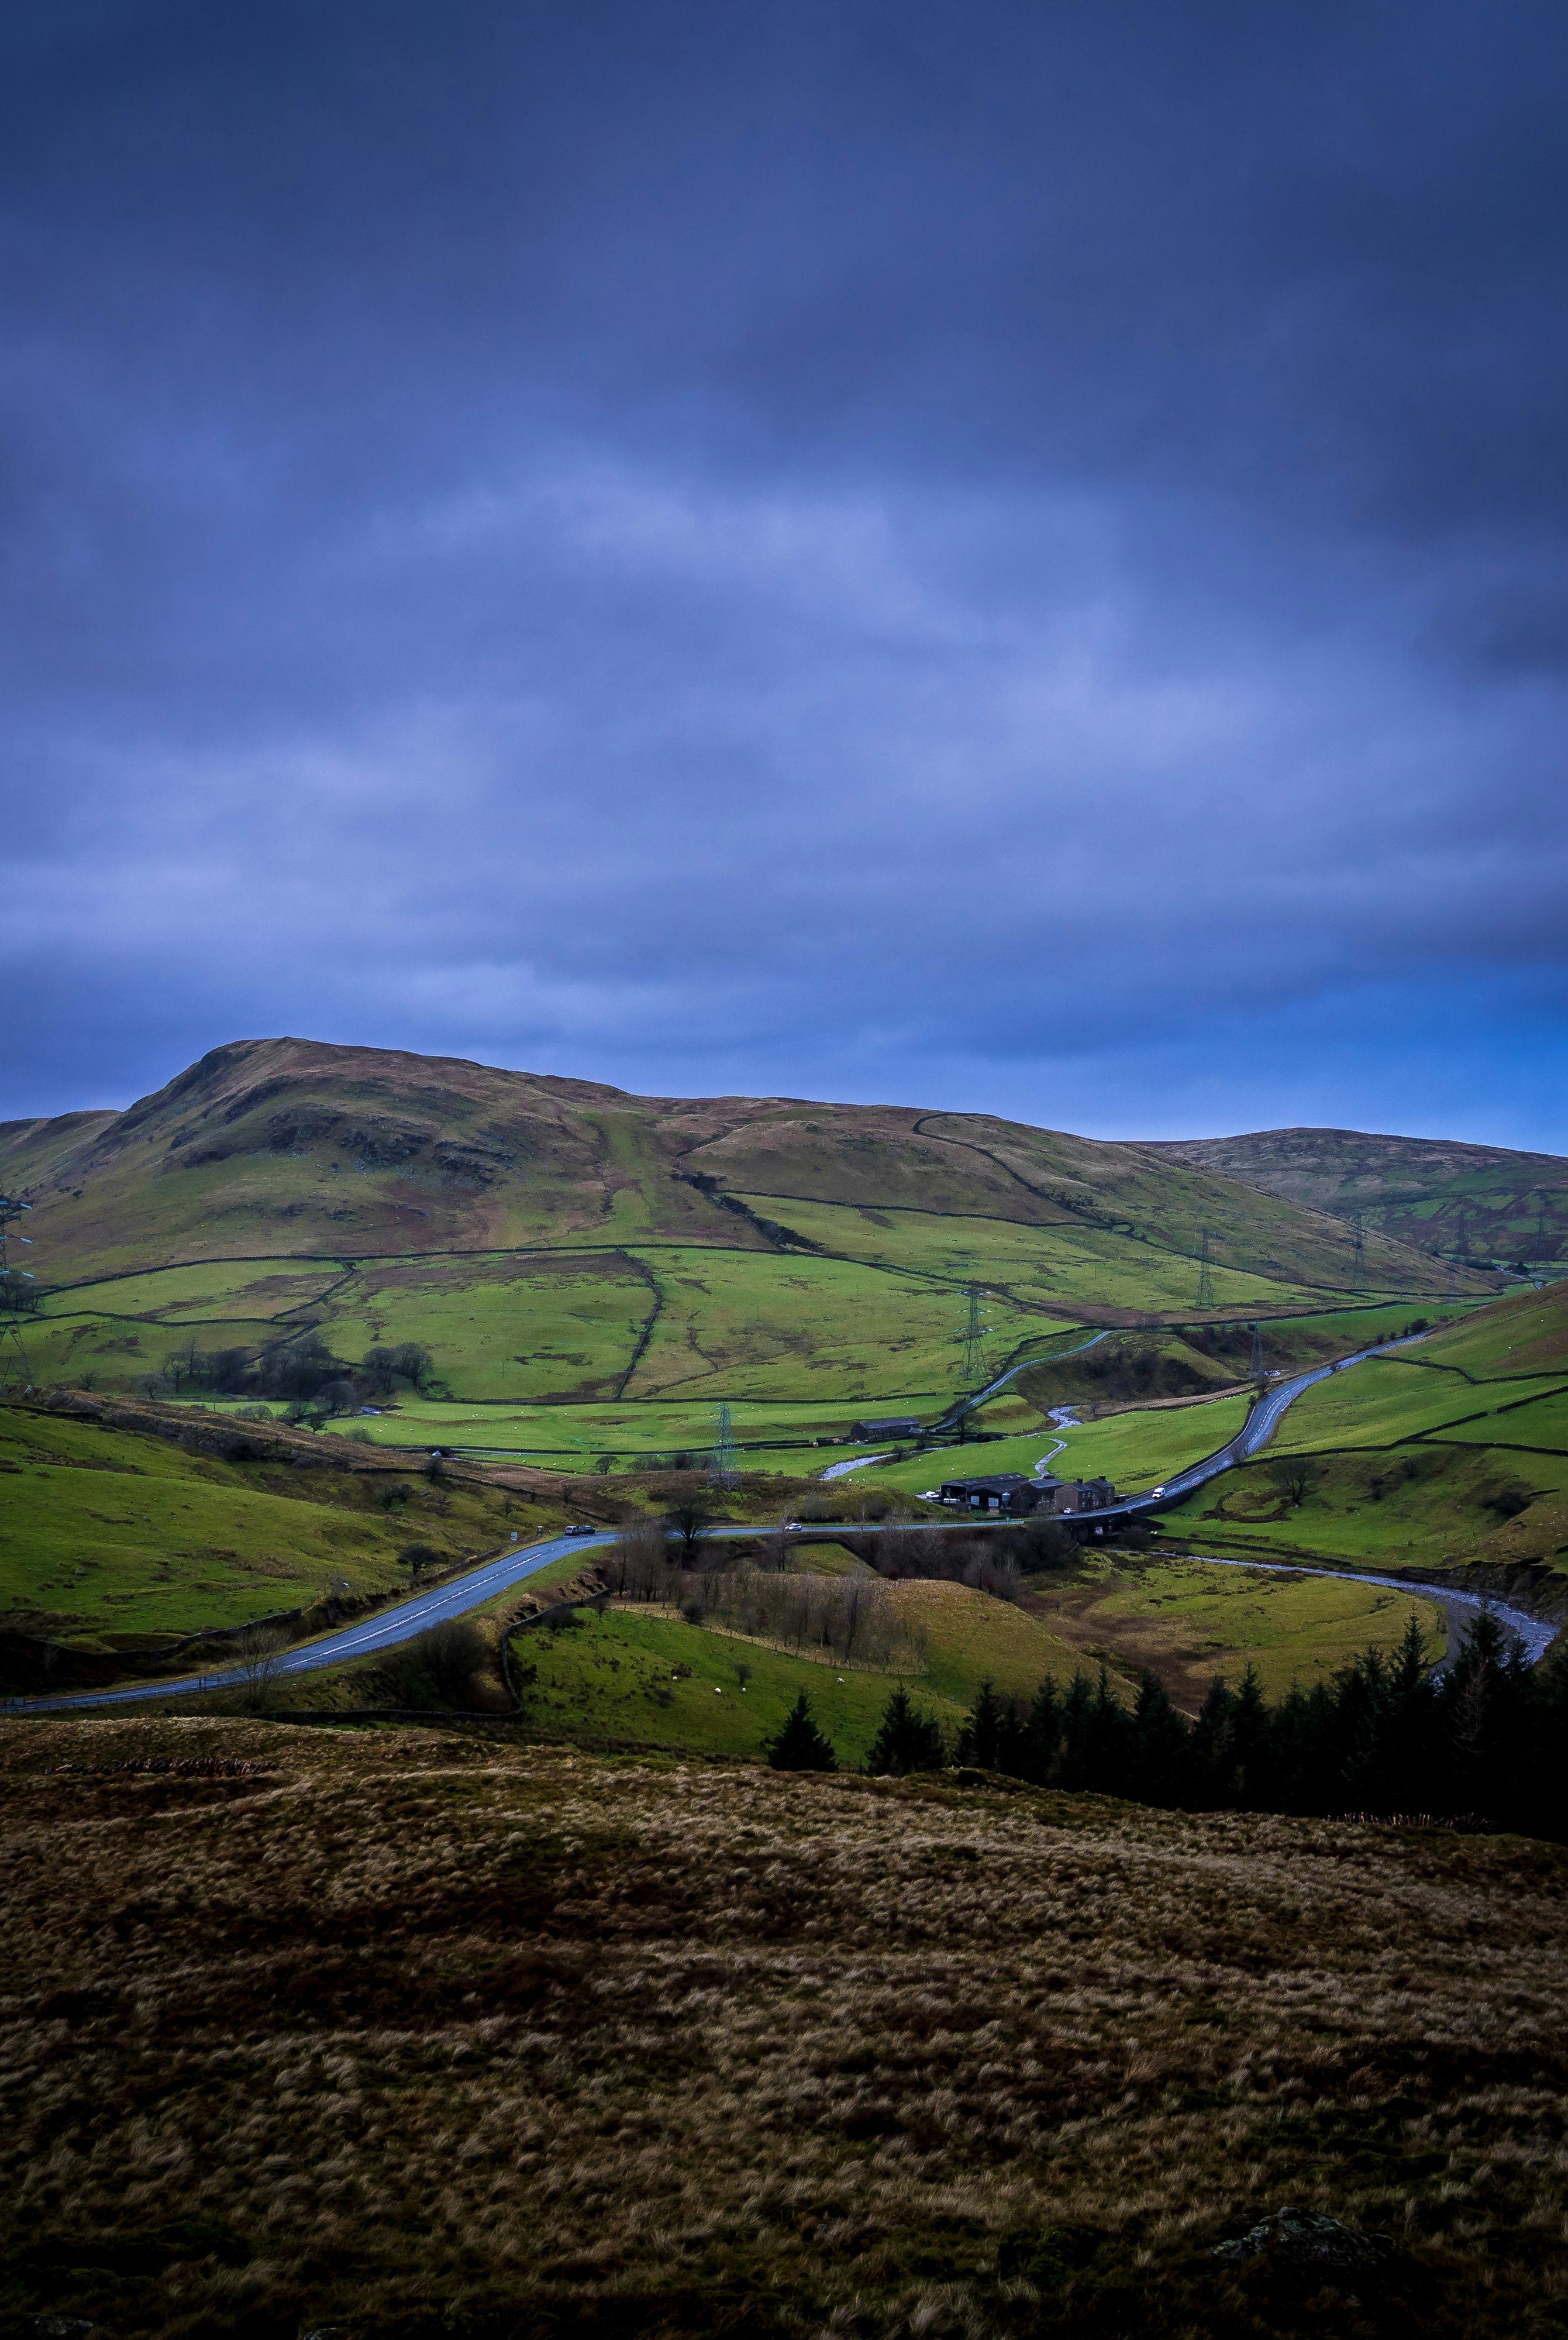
(1487, 1739)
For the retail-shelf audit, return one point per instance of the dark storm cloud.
(1009, 557)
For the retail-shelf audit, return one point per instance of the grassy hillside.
(631, 1675)
(1461, 1203)
(564, 1252)
(291, 1146)
(108, 1535)
(400, 2033)
(1187, 1622)
(1135, 1449)
(1454, 1451)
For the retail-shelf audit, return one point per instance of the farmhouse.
(891, 1426)
(1009, 1493)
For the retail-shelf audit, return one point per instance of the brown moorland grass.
(403, 2032)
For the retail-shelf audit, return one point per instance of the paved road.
(382, 1631)
(1255, 1433)
(968, 1404)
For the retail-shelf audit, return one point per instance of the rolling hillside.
(1471, 1204)
(1452, 1451)
(556, 1241)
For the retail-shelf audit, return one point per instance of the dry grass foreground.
(411, 2032)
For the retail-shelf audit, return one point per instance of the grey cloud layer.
(1010, 560)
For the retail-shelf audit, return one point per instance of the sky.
(1010, 557)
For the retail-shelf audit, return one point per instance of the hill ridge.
(1451, 1196)
(271, 1146)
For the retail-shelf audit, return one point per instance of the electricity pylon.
(1204, 1279)
(1358, 1251)
(973, 1368)
(721, 1472)
(1257, 1372)
(13, 1349)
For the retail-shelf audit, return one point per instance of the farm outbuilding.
(1009, 1493)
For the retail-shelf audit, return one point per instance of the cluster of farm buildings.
(1007, 1491)
(1010, 1493)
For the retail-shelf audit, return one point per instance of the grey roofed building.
(891, 1426)
(1085, 1495)
(1010, 1493)
(1004, 1491)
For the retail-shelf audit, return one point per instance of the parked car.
(581, 1527)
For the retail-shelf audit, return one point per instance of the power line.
(1258, 1371)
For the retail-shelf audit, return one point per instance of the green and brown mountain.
(1474, 1205)
(557, 1239)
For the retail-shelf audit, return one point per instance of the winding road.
(1255, 1433)
(968, 1404)
(402, 1622)
(382, 1631)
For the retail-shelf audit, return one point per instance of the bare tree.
(257, 1651)
(639, 1565)
(687, 1519)
(1296, 1478)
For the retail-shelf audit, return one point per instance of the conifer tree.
(1212, 1753)
(1110, 1741)
(1041, 1736)
(1484, 1700)
(1159, 1747)
(908, 1740)
(1249, 1749)
(993, 1737)
(800, 1745)
(1074, 1764)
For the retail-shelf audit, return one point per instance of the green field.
(1061, 1265)
(1527, 1332)
(1429, 1504)
(106, 1532)
(1454, 1451)
(515, 1325)
(666, 1323)
(1134, 1450)
(615, 1675)
(641, 1436)
(208, 1291)
(1187, 1621)
(1538, 1424)
(1387, 1400)
(1481, 1380)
